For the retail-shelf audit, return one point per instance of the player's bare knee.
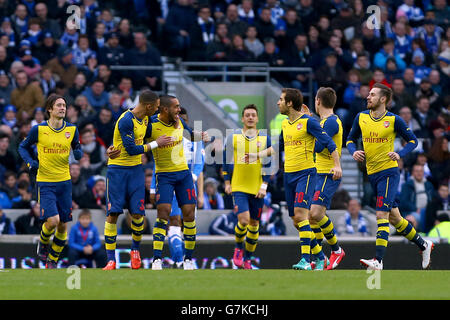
(315, 215)
(254, 222)
(175, 221)
(244, 218)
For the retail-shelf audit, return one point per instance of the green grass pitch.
(170, 284)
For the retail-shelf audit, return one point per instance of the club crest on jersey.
(67, 134)
(299, 126)
(387, 124)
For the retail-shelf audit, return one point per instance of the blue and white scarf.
(362, 228)
(207, 36)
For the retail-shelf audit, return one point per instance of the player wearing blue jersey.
(53, 139)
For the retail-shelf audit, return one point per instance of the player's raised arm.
(76, 146)
(25, 148)
(406, 133)
(352, 137)
(314, 128)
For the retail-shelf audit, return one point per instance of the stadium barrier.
(214, 252)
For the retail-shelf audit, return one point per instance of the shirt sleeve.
(406, 133)
(76, 146)
(25, 148)
(353, 136)
(267, 163)
(331, 127)
(228, 157)
(314, 128)
(126, 129)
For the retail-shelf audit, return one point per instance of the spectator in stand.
(246, 12)
(144, 54)
(26, 96)
(201, 34)
(7, 159)
(299, 57)
(239, 52)
(112, 54)
(362, 65)
(354, 83)
(431, 35)
(104, 125)
(47, 49)
(105, 74)
(416, 193)
(115, 104)
(273, 57)
(46, 23)
(386, 52)
(424, 115)
(82, 52)
(5, 88)
(213, 199)
(378, 77)
(98, 39)
(95, 196)
(426, 90)
(9, 186)
(9, 117)
(406, 114)
(20, 20)
(96, 95)
(344, 58)
(439, 157)
(392, 70)
(79, 186)
(175, 36)
(264, 25)
(84, 243)
(219, 49)
(353, 223)
(410, 84)
(413, 14)
(439, 203)
(400, 97)
(79, 85)
(418, 65)
(234, 24)
(69, 38)
(252, 42)
(6, 225)
(125, 35)
(402, 40)
(96, 151)
(62, 66)
(435, 80)
(23, 200)
(29, 223)
(331, 74)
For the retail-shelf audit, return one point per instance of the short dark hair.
(148, 97)
(85, 212)
(165, 100)
(51, 101)
(385, 91)
(327, 97)
(250, 106)
(295, 96)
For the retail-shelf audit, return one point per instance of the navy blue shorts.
(299, 188)
(385, 186)
(179, 182)
(125, 188)
(55, 198)
(325, 189)
(248, 202)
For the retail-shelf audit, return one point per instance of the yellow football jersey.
(244, 177)
(53, 150)
(333, 127)
(129, 134)
(169, 158)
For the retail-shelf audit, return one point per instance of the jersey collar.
(377, 119)
(59, 129)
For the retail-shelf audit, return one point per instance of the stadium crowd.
(408, 50)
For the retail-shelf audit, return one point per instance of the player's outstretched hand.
(112, 152)
(359, 156)
(261, 193)
(337, 173)
(394, 156)
(164, 140)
